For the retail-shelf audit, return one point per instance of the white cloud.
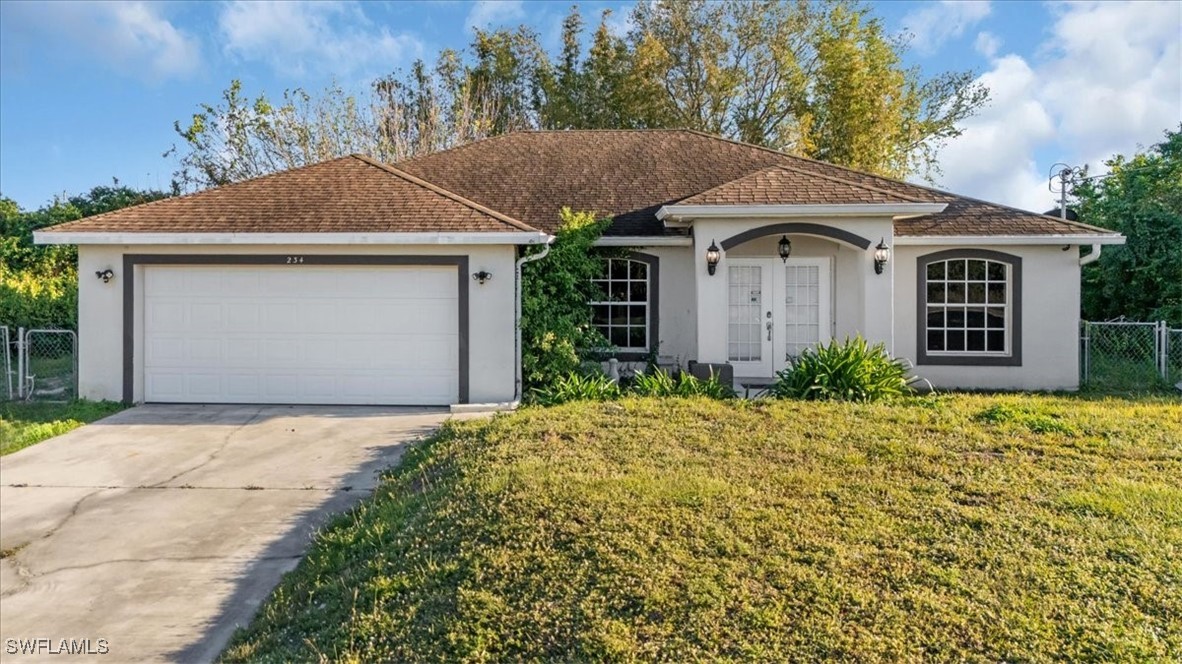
(132, 37)
(1108, 82)
(295, 38)
(491, 13)
(938, 22)
(993, 158)
(987, 44)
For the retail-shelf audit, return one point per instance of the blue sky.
(90, 91)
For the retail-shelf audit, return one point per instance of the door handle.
(769, 330)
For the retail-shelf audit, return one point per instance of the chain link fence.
(39, 365)
(1128, 356)
(6, 391)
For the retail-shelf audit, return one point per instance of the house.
(357, 282)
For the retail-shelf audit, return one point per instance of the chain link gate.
(6, 391)
(46, 365)
(1129, 356)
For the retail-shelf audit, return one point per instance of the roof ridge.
(220, 187)
(456, 148)
(444, 192)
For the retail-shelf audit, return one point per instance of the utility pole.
(1066, 177)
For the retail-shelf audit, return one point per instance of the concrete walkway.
(162, 528)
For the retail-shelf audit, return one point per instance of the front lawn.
(966, 527)
(24, 424)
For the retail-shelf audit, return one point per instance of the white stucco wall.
(1050, 322)
(100, 311)
(677, 325)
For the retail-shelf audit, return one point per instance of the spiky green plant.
(660, 383)
(594, 386)
(849, 370)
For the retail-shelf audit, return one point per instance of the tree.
(238, 138)
(820, 80)
(1141, 198)
(39, 284)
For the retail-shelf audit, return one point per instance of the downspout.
(518, 386)
(1092, 257)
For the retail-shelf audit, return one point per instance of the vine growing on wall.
(556, 331)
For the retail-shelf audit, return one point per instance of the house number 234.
(295, 260)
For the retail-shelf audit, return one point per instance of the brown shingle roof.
(520, 181)
(353, 194)
(783, 184)
(629, 175)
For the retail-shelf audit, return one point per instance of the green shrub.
(36, 298)
(850, 370)
(556, 324)
(659, 383)
(575, 386)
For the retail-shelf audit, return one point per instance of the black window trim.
(654, 307)
(969, 358)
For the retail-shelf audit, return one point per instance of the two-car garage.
(348, 282)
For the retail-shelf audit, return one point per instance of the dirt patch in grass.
(25, 424)
(950, 528)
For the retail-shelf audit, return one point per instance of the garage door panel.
(167, 386)
(241, 386)
(313, 334)
(241, 317)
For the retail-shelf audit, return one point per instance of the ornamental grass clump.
(659, 383)
(849, 370)
(574, 386)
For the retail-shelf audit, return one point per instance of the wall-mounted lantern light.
(482, 276)
(106, 275)
(882, 254)
(713, 255)
(785, 247)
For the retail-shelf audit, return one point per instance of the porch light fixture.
(106, 275)
(882, 254)
(785, 248)
(482, 276)
(713, 255)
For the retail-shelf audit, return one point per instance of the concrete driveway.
(162, 528)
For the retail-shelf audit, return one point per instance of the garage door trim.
(285, 260)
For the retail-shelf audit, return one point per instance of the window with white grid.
(622, 314)
(968, 307)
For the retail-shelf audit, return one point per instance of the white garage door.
(301, 335)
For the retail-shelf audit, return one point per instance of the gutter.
(1092, 257)
(518, 383)
(315, 238)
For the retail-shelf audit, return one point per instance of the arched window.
(626, 312)
(970, 311)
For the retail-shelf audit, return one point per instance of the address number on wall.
(295, 260)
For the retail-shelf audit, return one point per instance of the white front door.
(806, 295)
(750, 317)
(775, 310)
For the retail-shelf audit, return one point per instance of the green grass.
(950, 528)
(25, 424)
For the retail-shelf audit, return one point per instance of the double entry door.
(775, 311)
